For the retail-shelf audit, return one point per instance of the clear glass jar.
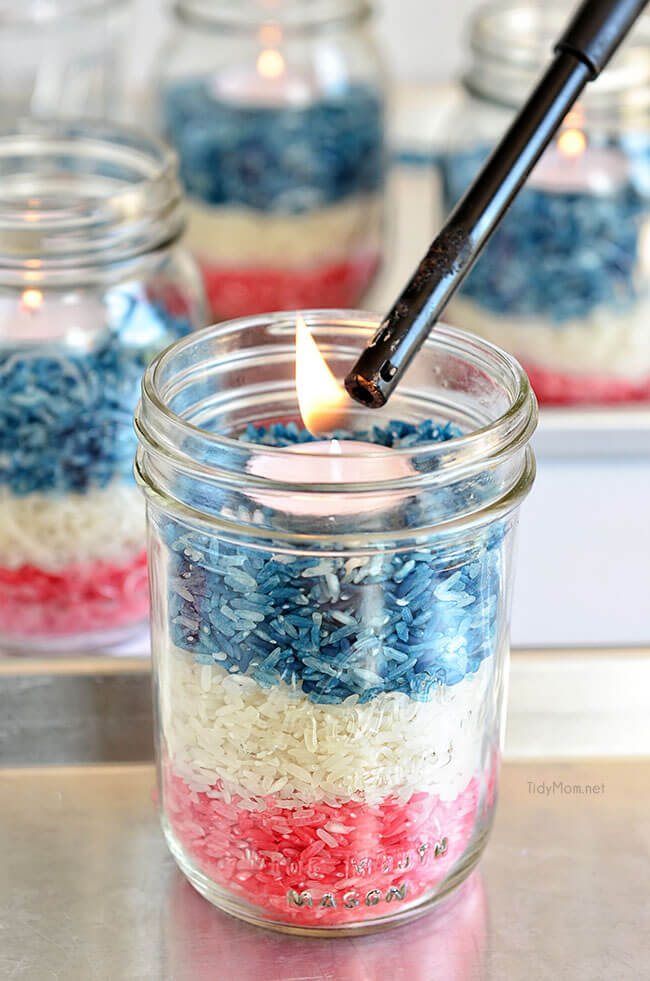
(330, 653)
(61, 58)
(277, 112)
(564, 284)
(93, 283)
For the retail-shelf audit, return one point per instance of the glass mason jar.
(564, 284)
(329, 633)
(93, 283)
(61, 57)
(277, 113)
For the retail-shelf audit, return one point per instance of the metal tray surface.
(90, 892)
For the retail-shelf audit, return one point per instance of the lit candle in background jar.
(563, 282)
(571, 166)
(92, 284)
(270, 83)
(281, 140)
(34, 317)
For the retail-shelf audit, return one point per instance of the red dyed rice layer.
(82, 598)
(239, 292)
(557, 388)
(356, 861)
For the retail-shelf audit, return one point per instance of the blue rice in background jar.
(564, 283)
(93, 283)
(279, 122)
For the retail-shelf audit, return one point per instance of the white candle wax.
(271, 83)
(330, 462)
(583, 170)
(36, 317)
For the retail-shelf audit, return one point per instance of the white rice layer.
(236, 236)
(54, 532)
(605, 343)
(259, 741)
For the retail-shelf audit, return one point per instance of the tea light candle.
(331, 462)
(68, 317)
(570, 166)
(323, 404)
(271, 83)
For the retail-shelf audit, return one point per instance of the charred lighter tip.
(364, 391)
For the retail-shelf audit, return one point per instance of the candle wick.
(337, 465)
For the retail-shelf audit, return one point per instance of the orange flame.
(572, 142)
(31, 300)
(270, 63)
(321, 399)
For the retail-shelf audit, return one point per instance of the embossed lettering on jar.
(330, 657)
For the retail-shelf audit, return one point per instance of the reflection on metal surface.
(75, 710)
(450, 944)
(88, 890)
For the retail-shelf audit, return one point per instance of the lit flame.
(270, 63)
(572, 142)
(31, 300)
(321, 399)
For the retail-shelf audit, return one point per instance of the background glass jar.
(565, 282)
(93, 283)
(278, 116)
(330, 658)
(61, 58)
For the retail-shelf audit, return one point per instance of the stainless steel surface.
(605, 433)
(89, 891)
(81, 710)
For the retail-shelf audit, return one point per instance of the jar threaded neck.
(512, 42)
(84, 194)
(291, 16)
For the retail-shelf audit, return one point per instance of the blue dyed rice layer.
(555, 255)
(66, 415)
(284, 159)
(336, 627)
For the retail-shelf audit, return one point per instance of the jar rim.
(77, 195)
(37, 12)
(291, 16)
(166, 435)
(517, 37)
